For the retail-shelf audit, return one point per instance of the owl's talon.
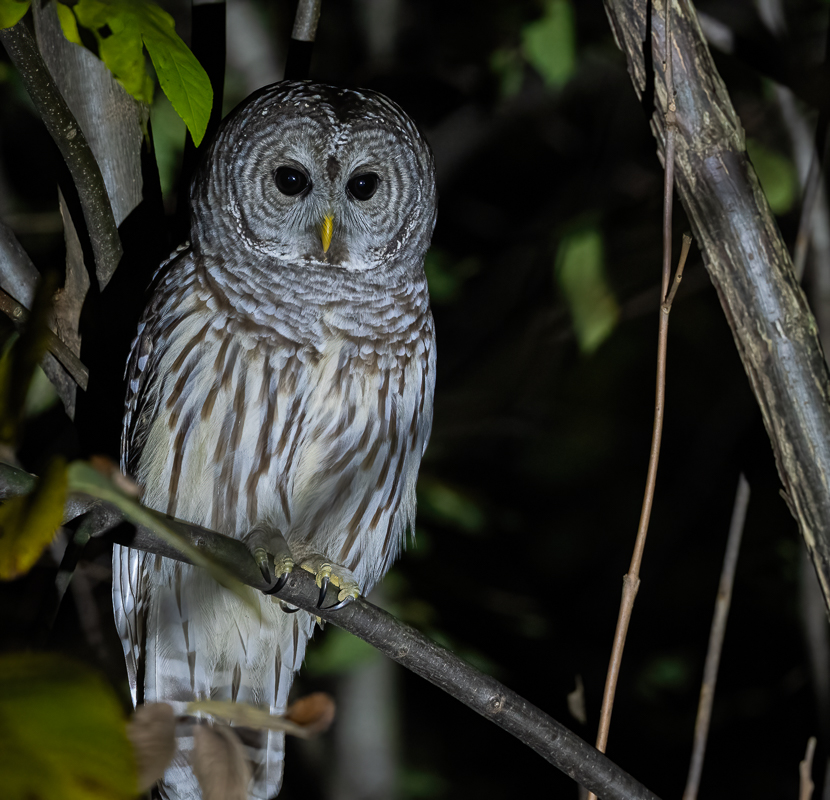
(262, 542)
(263, 562)
(324, 587)
(337, 606)
(325, 574)
(281, 581)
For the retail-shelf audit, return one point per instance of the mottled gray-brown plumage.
(281, 378)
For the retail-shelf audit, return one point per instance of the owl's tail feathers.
(219, 762)
(187, 638)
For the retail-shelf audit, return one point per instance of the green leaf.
(69, 25)
(549, 43)
(180, 75)
(29, 523)
(123, 53)
(580, 271)
(82, 477)
(63, 733)
(12, 11)
(123, 28)
(777, 175)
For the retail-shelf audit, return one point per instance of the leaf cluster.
(122, 30)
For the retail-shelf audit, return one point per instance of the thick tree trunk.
(774, 330)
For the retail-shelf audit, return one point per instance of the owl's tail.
(186, 638)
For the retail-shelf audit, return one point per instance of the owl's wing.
(129, 595)
(141, 402)
(130, 581)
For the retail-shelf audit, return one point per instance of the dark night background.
(531, 487)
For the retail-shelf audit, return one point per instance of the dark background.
(531, 487)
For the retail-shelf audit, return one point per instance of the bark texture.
(774, 329)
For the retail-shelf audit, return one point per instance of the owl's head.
(306, 174)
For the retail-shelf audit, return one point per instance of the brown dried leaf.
(314, 712)
(307, 717)
(152, 732)
(239, 714)
(219, 763)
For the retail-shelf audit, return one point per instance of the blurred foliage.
(446, 275)
(19, 363)
(63, 733)
(12, 11)
(29, 523)
(338, 652)
(777, 175)
(580, 271)
(441, 502)
(549, 43)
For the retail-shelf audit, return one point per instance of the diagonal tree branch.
(410, 648)
(67, 134)
(18, 275)
(775, 333)
(73, 365)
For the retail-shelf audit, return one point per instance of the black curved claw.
(324, 587)
(337, 606)
(288, 610)
(281, 581)
(265, 569)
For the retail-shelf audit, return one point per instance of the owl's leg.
(266, 542)
(325, 573)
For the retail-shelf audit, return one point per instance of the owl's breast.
(314, 425)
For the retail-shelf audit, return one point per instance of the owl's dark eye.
(290, 181)
(362, 187)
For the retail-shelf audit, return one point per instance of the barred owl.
(281, 380)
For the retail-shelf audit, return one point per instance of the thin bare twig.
(805, 771)
(306, 20)
(678, 276)
(70, 362)
(710, 669)
(631, 581)
(301, 45)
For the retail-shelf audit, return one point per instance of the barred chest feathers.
(315, 426)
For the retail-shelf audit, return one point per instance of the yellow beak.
(326, 231)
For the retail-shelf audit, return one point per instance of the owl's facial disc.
(307, 175)
(330, 214)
